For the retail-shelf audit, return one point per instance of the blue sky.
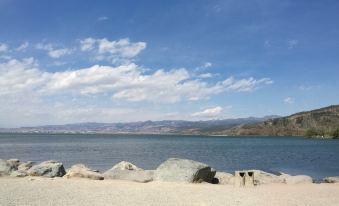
(119, 61)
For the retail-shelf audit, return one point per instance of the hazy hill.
(319, 122)
(146, 127)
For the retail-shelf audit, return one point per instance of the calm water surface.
(317, 158)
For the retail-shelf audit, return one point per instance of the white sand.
(59, 191)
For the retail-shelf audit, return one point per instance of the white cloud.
(121, 51)
(206, 75)
(289, 100)
(207, 64)
(308, 87)
(125, 83)
(22, 47)
(102, 18)
(209, 112)
(87, 44)
(20, 76)
(35, 96)
(3, 47)
(203, 67)
(57, 53)
(292, 43)
(42, 46)
(52, 52)
(244, 85)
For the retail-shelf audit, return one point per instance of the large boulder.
(224, 178)
(331, 179)
(8, 166)
(49, 168)
(128, 171)
(261, 177)
(81, 171)
(25, 166)
(298, 179)
(18, 173)
(183, 170)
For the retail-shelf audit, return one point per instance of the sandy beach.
(59, 191)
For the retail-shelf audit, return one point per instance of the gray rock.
(298, 179)
(128, 171)
(81, 171)
(14, 162)
(142, 176)
(25, 166)
(18, 173)
(261, 177)
(224, 178)
(7, 166)
(49, 168)
(183, 170)
(123, 165)
(331, 179)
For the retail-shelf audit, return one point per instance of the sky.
(121, 61)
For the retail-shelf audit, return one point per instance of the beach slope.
(59, 191)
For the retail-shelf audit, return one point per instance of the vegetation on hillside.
(322, 122)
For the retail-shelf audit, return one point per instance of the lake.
(293, 155)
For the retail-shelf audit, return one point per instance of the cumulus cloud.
(20, 76)
(204, 66)
(125, 83)
(289, 100)
(22, 47)
(121, 51)
(26, 92)
(207, 64)
(3, 47)
(87, 44)
(209, 112)
(53, 52)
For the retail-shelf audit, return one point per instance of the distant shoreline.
(162, 134)
(152, 134)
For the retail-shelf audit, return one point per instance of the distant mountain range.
(322, 122)
(146, 127)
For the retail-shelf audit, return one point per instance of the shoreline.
(155, 134)
(173, 182)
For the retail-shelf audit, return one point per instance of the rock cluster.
(14, 168)
(172, 170)
(331, 179)
(82, 171)
(298, 179)
(49, 168)
(128, 171)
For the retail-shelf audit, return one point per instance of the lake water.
(317, 158)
